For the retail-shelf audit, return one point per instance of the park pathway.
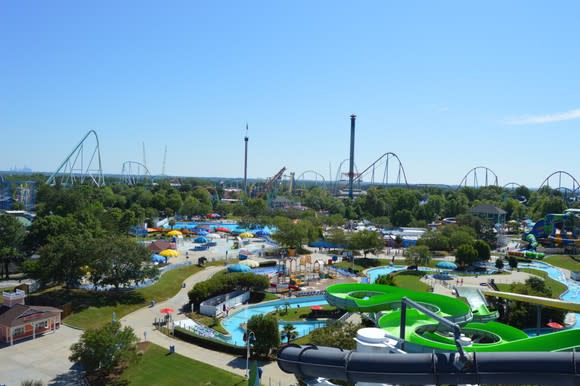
(142, 322)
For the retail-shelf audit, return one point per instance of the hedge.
(208, 343)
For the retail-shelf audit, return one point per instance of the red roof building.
(160, 245)
(19, 321)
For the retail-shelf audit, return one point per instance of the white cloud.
(548, 118)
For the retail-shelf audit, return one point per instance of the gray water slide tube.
(546, 368)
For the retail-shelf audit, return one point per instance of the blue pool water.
(573, 292)
(374, 273)
(232, 227)
(233, 322)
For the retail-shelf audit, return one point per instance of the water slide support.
(463, 357)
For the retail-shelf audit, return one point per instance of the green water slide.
(422, 331)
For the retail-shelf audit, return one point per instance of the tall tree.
(12, 236)
(265, 328)
(465, 255)
(483, 250)
(119, 261)
(63, 259)
(418, 255)
(293, 234)
(104, 348)
(367, 241)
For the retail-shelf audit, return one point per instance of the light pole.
(250, 337)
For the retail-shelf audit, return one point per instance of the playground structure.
(301, 271)
(555, 230)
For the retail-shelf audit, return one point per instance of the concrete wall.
(215, 306)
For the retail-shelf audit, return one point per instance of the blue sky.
(445, 85)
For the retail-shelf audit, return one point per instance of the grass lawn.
(156, 367)
(297, 314)
(411, 282)
(94, 309)
(564, 261)
(360, 263)
(556, 287)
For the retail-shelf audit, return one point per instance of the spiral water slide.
(422, 333)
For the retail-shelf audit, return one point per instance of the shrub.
(211, 344)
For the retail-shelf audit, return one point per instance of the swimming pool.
(573, 292)
(234, 227)
(232, 323)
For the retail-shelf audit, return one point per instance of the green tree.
(336, 236)
(513, 262)
(289, 332)
(119, 261)
(465, 255)
(63, 259)
(499, 264)
(522, 314)
(460, 237)
(45, 227)
(12, 236)
(483, 250)
(335, 334)
(293, 234)
(402, 218)
(103, 349)
(386, 280)
(434, 240)
(367, 241)
(418, 255)
(265, 328)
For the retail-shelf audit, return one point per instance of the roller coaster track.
(78, 167)
(380, 169)
(487, 173)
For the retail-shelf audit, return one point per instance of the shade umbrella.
(262, 233)
(555, 325)
(446, 265)
(246, 235)
(222, 229)
(239, 268)
(167, 310)
(174, 233)
(157, 258)
(200, 240)
(316, 308)
(202, 233)
(214, 236)
(250, 263)
(169, 253)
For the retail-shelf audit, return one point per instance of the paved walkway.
(42, 359)
(142, 322)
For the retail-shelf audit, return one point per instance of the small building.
(160, 245)
(19, 321)
(489, 213)
(219, 305)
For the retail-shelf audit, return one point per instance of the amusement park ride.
(556, 230)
